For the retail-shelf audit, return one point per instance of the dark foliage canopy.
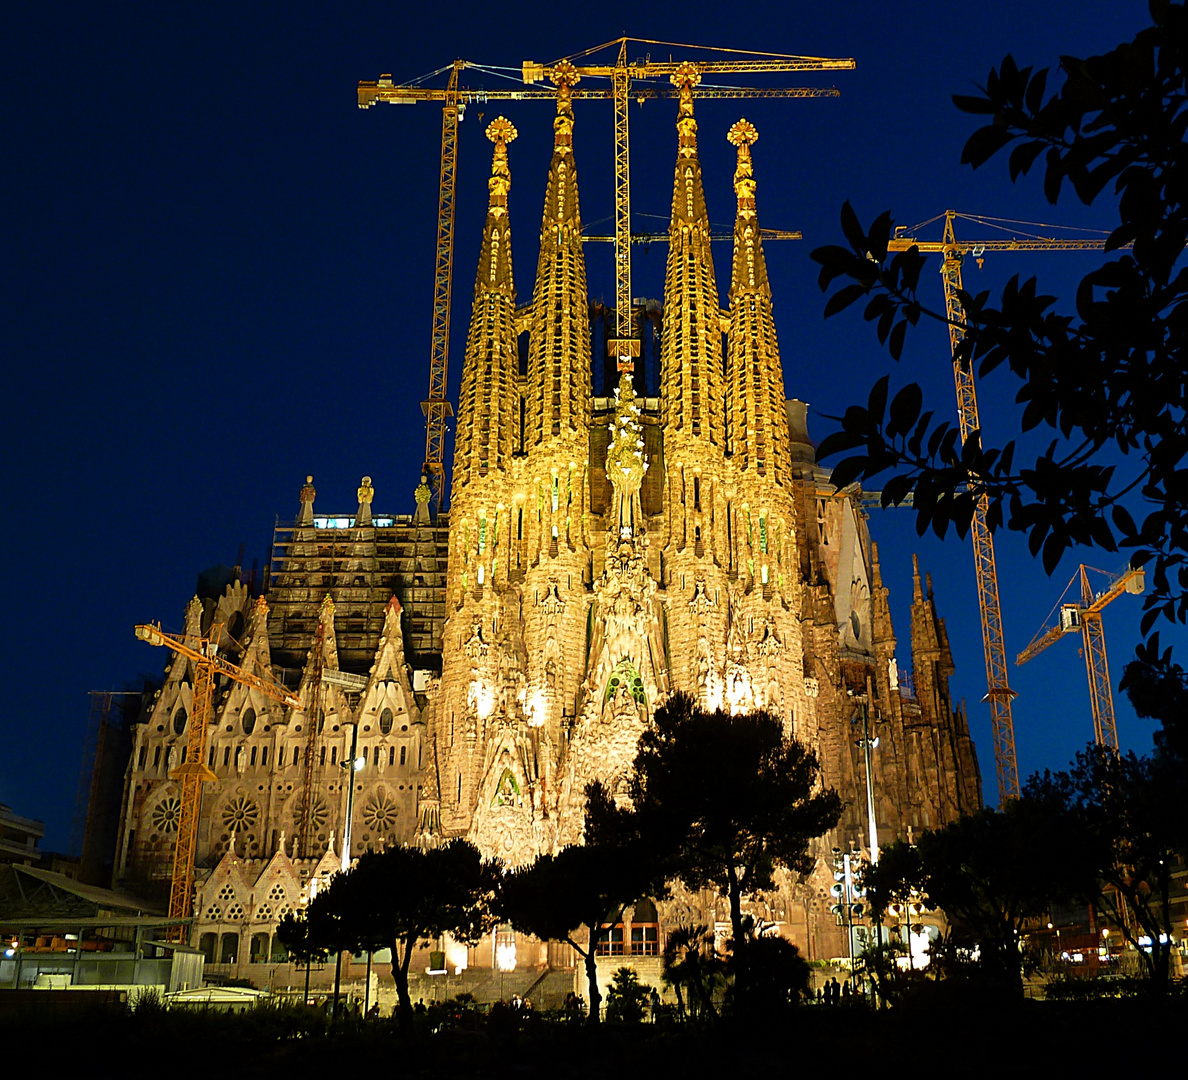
(583, 885)
(1109, 379)
(1129, 820)
(990, 872)
(400, 897)
(725, 800)
(732, 797)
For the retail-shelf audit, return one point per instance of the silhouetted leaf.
(877, 402)
(905, 410)
(842, 299)
(852, 228)
(983, 144)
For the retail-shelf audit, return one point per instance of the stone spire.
(931, 656)
(756, 415)
(691, 350)
(882, 630)
(559, 346)
(932, 663)
(485, 418)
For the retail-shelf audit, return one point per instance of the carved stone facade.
(600, 554)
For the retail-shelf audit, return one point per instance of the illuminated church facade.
(603, 550)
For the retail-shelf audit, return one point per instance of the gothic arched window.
(179, 721)
(385, 721)
(249, 721)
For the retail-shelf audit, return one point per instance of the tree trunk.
(591, 963)
(741, 973)
(400, 977)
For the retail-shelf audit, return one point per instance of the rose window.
(379, 814)
(317, 815)
(167, 814)
(240, 813)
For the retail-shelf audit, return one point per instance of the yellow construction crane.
(628, 79)
(1085, 617)
(192, 772)
(999, 693)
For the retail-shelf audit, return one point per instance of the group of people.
(575, 1006)
(833, 993)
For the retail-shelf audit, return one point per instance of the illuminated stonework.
(614, 536)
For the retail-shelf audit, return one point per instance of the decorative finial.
(423, 492)
(280, 845)
(685, 78)
(687, 74)
(500, 131)
(564, 75)
(743, 135)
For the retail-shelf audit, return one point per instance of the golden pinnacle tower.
(610, 541)
(755, 403)
(485, 419)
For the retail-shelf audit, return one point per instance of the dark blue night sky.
(217, 278)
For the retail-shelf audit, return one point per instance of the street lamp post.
(351, 766)
(848, 895)
(867, 744)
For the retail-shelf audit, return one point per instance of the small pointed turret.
(329, 659)
(485, 420)
(691, 349)
(559, 346)
(756, 416)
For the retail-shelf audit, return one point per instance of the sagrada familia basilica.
(600, 553)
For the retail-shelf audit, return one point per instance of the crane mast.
(313, 721)
(437, 407)
(625, 347)
(192, 772)
(1086, 617)
(999, 693)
